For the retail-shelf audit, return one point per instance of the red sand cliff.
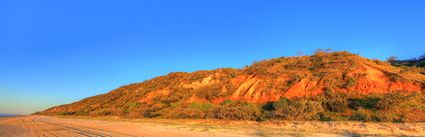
(265, 81)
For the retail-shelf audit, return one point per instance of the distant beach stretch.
(7, 115)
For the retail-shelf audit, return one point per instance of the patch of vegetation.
(209, 92)
(297, 109)
(418, 62)
(230, 110)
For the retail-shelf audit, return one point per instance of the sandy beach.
(44, 126)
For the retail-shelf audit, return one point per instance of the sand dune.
(43, 126)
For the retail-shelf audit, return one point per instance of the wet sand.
(44, 126)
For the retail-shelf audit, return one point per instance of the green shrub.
(294, 79)
(201, 106)
(152, 110)
(400, 101)
(65, 113)
(81, 113)
(209, 92)
(235, 111)
(367, 103)
(280, 104)
(351, 82)
(297, 109)
(334, 101)
(101, 112)
(133, 105)
(175, 105)
(227, 101)
(184, 113)
(386, 116)
(361, 115)
(325, 118)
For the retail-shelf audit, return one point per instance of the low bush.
(362, 115)
(230, 110)
(297, 109)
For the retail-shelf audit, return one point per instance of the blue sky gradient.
(56, 52)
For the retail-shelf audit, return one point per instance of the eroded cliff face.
(264, 81)
(260, 89)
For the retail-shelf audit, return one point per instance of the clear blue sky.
(56, 52)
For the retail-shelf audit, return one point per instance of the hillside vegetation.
(417, 62)
(324, 86)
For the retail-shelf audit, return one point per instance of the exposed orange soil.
(375, 81)
(151, 95)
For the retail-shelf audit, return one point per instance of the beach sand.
(45, 126)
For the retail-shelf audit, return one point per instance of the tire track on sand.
(84, 131)
(49, 130)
